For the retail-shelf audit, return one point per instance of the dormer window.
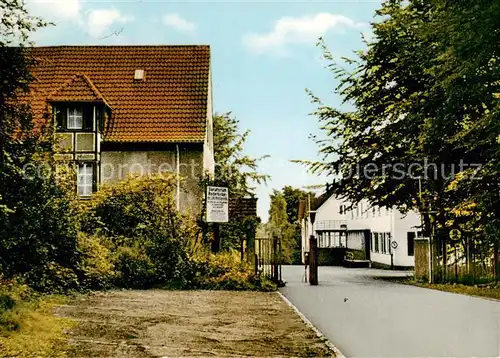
(75, 118)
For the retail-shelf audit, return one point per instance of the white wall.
(208, 146)
(364, 217)
(402, 225)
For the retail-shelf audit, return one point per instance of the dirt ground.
(187, 324)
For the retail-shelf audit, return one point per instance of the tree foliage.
(233, 167)
(279, 227)
(284, 220)
(236, 170)
(424, 132)
(38, 233)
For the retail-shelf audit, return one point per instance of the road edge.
(330, 345)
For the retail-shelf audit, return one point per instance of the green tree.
(293, 196)
(235, 169)
(424, 91)
(279, 226)
(38, 230)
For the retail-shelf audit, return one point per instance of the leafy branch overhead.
(424, 91)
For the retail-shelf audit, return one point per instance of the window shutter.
(61, 117)
(100, 118)
(88, 117)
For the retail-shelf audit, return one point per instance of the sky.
(263, 54)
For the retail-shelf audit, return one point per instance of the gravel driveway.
(157, 323)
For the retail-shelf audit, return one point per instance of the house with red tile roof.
(119, 110)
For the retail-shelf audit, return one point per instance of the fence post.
(280, 260)
(275, 259)
(250, 249)
(313, 261)
(216, 239)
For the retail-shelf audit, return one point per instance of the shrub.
(149, 238)
(135, 268)
(222, 271)
(38, 231)
(95, 268)
(53, 278)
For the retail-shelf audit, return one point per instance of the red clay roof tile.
(169, 105)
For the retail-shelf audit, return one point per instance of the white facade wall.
(388, 224)
(208, 145)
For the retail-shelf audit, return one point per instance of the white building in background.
(370, 229)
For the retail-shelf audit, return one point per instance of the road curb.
(333, 348)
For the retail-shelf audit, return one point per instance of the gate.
(268, 257)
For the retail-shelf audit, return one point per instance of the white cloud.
(54, 9)
(177, 22)
(306, 29)
(100, 21)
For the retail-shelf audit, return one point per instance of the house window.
(388, 237)
(341, 210)
(85, 179)
(376, 242)
(75, 118)
(373, 211)
(378, 211)
(411, 242)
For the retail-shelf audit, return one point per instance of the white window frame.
(73, 116)
(85, 179)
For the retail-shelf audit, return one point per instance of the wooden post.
(255, 263)
(216, 239)
(467, 256)
(313, 261)
(275, 259)
(445, 258)
(250, 249)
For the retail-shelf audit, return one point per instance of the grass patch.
(28, 327)
(489, 290)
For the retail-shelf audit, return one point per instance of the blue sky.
(263, 58)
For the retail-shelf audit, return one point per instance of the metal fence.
(268, 257)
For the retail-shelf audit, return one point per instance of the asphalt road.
(385, 319)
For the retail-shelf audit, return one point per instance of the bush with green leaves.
(222, 271)
(38, 231)
(137, 218)
(96, 269)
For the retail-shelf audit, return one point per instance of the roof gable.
(169, 105)
(79, 88)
